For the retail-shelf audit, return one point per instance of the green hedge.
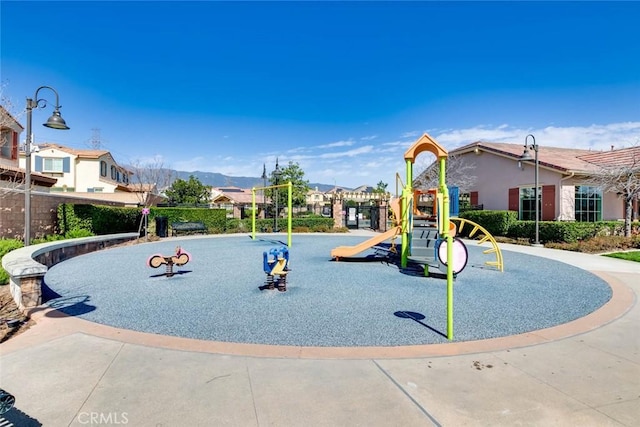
(310, 224)
(101, 220)
(214, 219)
(495, 222)
(505, 223)
(97, 219)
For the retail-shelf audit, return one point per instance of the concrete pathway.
(69, 372)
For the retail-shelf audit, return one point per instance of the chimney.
(612, 148)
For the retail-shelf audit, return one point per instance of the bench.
(188, 227)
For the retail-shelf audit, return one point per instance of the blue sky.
(342, 88)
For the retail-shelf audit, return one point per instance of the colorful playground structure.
(420, 225)
(180, 258)
(428, 239)
(276, 266)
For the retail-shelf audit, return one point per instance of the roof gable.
(9, 121)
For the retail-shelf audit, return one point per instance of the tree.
(188, 192)
(149, 179)
(458, 174)
(381, 187)
(622, 178)
(300, 187)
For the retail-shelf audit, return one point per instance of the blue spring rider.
(276, 263)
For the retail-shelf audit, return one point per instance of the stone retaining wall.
(28, 265)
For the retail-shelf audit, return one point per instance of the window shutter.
(514, 199)
(548, 202)
(14, 146)
(473, 198)
(38, 164)
(66, 165)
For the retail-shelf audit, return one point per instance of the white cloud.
(597, 137)
(345, 143)
(356, 165)
(350, 153)
(410, 134)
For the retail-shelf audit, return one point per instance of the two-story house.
(91, 174)
(78, 170)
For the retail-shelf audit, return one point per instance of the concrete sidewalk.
(66, 371)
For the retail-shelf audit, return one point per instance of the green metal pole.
(407, 194)
(445, 228)
(253, 215)
(290, 206)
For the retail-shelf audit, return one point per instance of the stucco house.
(88, 173)
(235, 200)
(504, 182)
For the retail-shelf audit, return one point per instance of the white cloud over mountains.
(351, 162)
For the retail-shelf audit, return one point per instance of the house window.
(52, 165)
(528, 205)
(103, 168)
(588, 203)
(6, 143)
(114, 173)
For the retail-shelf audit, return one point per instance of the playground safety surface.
(216, 296)
(583, 372)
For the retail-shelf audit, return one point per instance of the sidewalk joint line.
(402, 389)
(84, 402)
(253, 398)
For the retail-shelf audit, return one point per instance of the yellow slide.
(348, 251)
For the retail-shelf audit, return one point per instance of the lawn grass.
(629, 256)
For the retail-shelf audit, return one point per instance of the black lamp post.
(276, 175)
(526, 156)
(55, 122)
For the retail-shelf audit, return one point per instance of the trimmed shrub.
(316, 224)
(78, 220)
(214, 219)
(495, 222)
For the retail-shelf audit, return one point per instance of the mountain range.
(215, 179)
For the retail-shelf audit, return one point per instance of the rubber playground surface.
(216, 295)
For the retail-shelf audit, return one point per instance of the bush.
(6, 246)
(77, 220)
(565, 231)
(495, 222)
(313, 224)
(599, 244)
(214, 219)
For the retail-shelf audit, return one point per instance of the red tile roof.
(87, 154)
(562, 159)
(623, 157)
